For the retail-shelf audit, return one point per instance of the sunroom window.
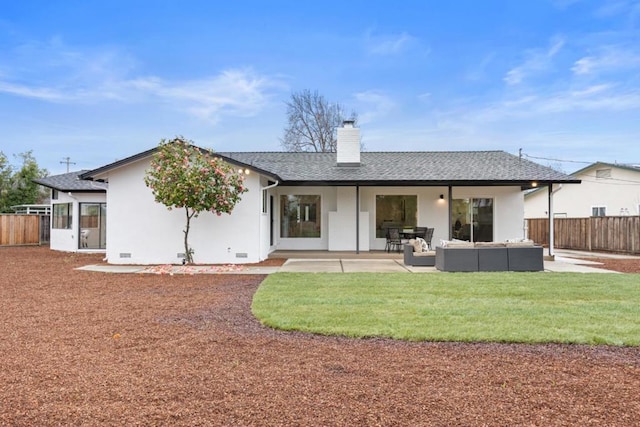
(62, 215)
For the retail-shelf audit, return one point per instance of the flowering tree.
(184, 176)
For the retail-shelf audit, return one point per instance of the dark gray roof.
(472, 168)
(70, 182)
(403, 168)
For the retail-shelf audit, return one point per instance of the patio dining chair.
(394, 242)
(421, 232)
(428, 237)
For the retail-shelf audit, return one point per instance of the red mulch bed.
(88, 348)
(623, 265)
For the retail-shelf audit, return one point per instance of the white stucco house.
(340, 201)
(606, 190)
(78, 212)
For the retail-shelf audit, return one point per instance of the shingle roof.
(385, 168)
(71, 182)
(418, 168)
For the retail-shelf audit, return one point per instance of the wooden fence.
(607, 233)
(23, 229)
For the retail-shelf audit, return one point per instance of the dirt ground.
(88, 348)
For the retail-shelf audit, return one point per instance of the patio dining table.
(409, 234)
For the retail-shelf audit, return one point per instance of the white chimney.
(348, 144)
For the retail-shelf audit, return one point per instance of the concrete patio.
(350, 262)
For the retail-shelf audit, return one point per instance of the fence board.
(19, 230)
(609, 233)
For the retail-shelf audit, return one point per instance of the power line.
(571, 161)
(557, 160)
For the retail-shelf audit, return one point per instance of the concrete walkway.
(565, 261)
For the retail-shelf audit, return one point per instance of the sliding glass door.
(472, 219)
(93, 225)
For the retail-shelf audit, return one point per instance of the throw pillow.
(423, 244)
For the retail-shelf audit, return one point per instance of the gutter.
(268, 187)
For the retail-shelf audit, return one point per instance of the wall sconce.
(534, 184)
(442, 197)
(244, 171)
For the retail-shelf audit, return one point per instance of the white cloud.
(388, 44)
(536, 61)
(608, 59)
(374, 105)
(93, 76)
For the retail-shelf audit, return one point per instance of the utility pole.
(68, 161)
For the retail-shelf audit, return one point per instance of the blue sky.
(98, 81)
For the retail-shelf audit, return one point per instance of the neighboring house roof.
(634, 168)
(580, 172)
(471, 168)
(70, 182)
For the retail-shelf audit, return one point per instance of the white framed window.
(62, 215)
(598, 211)
(300, 215)
(265, 201)
(395, 211)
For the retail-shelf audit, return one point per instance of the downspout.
(268, 187)
(551, 222)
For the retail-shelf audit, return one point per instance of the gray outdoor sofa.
(489, 256)
(418, 258)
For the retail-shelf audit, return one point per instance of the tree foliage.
(184, 176)
(16, 185)
(312, 122)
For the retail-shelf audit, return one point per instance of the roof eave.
(429, 183)
(92, 174)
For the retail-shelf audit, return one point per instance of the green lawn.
(496, 307)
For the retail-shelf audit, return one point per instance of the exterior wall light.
(442, 197)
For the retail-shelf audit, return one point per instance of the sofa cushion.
(489, 245)
(426, 253)
(522, 244)
(459, 244)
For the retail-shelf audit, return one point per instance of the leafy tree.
(312, 123)
(184, 176)
(5, 181)
(17, 187)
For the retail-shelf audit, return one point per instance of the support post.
(551, 224)
(357, 219)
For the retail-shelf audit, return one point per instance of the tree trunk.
(188, 253)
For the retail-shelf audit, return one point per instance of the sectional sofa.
(489, 256)
(415, 256)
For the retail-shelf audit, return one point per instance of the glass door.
(472, 219)
(93, 225)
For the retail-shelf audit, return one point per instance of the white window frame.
(62, 220)
(600, 209)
